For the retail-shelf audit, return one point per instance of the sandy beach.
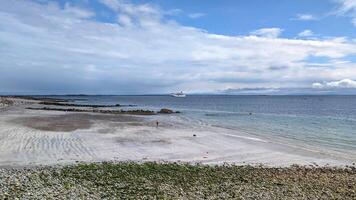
(86, 154)
(46, 137)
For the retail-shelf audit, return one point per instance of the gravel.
(177, 181)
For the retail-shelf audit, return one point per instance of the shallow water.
(326, 124)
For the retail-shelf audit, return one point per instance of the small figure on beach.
(157, 123)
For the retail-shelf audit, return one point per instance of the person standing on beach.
(157, 123)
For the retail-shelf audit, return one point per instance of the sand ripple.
(42, 137)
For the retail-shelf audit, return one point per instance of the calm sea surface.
(326, 123)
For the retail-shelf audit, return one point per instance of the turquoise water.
(324, 123)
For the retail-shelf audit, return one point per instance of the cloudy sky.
(160, 46)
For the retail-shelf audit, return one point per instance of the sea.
(321, 123)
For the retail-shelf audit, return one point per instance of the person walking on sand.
(157, 123)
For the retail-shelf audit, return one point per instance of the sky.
(160, 46)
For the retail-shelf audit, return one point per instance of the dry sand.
(33, 137)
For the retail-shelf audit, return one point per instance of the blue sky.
(159, 46)
(238, 17)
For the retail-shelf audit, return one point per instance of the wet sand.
(36, 137)
(69, 122)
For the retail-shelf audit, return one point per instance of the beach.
(47, 137)
(54, 151)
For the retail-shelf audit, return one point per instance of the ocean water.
(321, 123)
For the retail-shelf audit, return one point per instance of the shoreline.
(47, 137)
(46, 154)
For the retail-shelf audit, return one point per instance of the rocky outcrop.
(5, 102)
(131, 112)
(165, 111)
(79, 105)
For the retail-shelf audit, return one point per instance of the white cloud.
(305, 17)
(78, 12)
(268, 32)
(344, 83)
(348, 7)
(306, 33)
(317, 85)
(143, 52)
(196, 15)
(131, 9)
(125, 20)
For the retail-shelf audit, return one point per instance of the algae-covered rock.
(165, 111)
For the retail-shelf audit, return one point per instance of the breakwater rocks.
(167, 111)
(82, 105)
(132, 112)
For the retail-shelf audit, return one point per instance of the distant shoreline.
(189, 94)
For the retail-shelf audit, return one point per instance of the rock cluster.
(5, 102)
(79, 105)
(167, 111)
(132, 112)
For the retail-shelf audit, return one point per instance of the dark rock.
(50, 103)
(132, 112)
(165, 111)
